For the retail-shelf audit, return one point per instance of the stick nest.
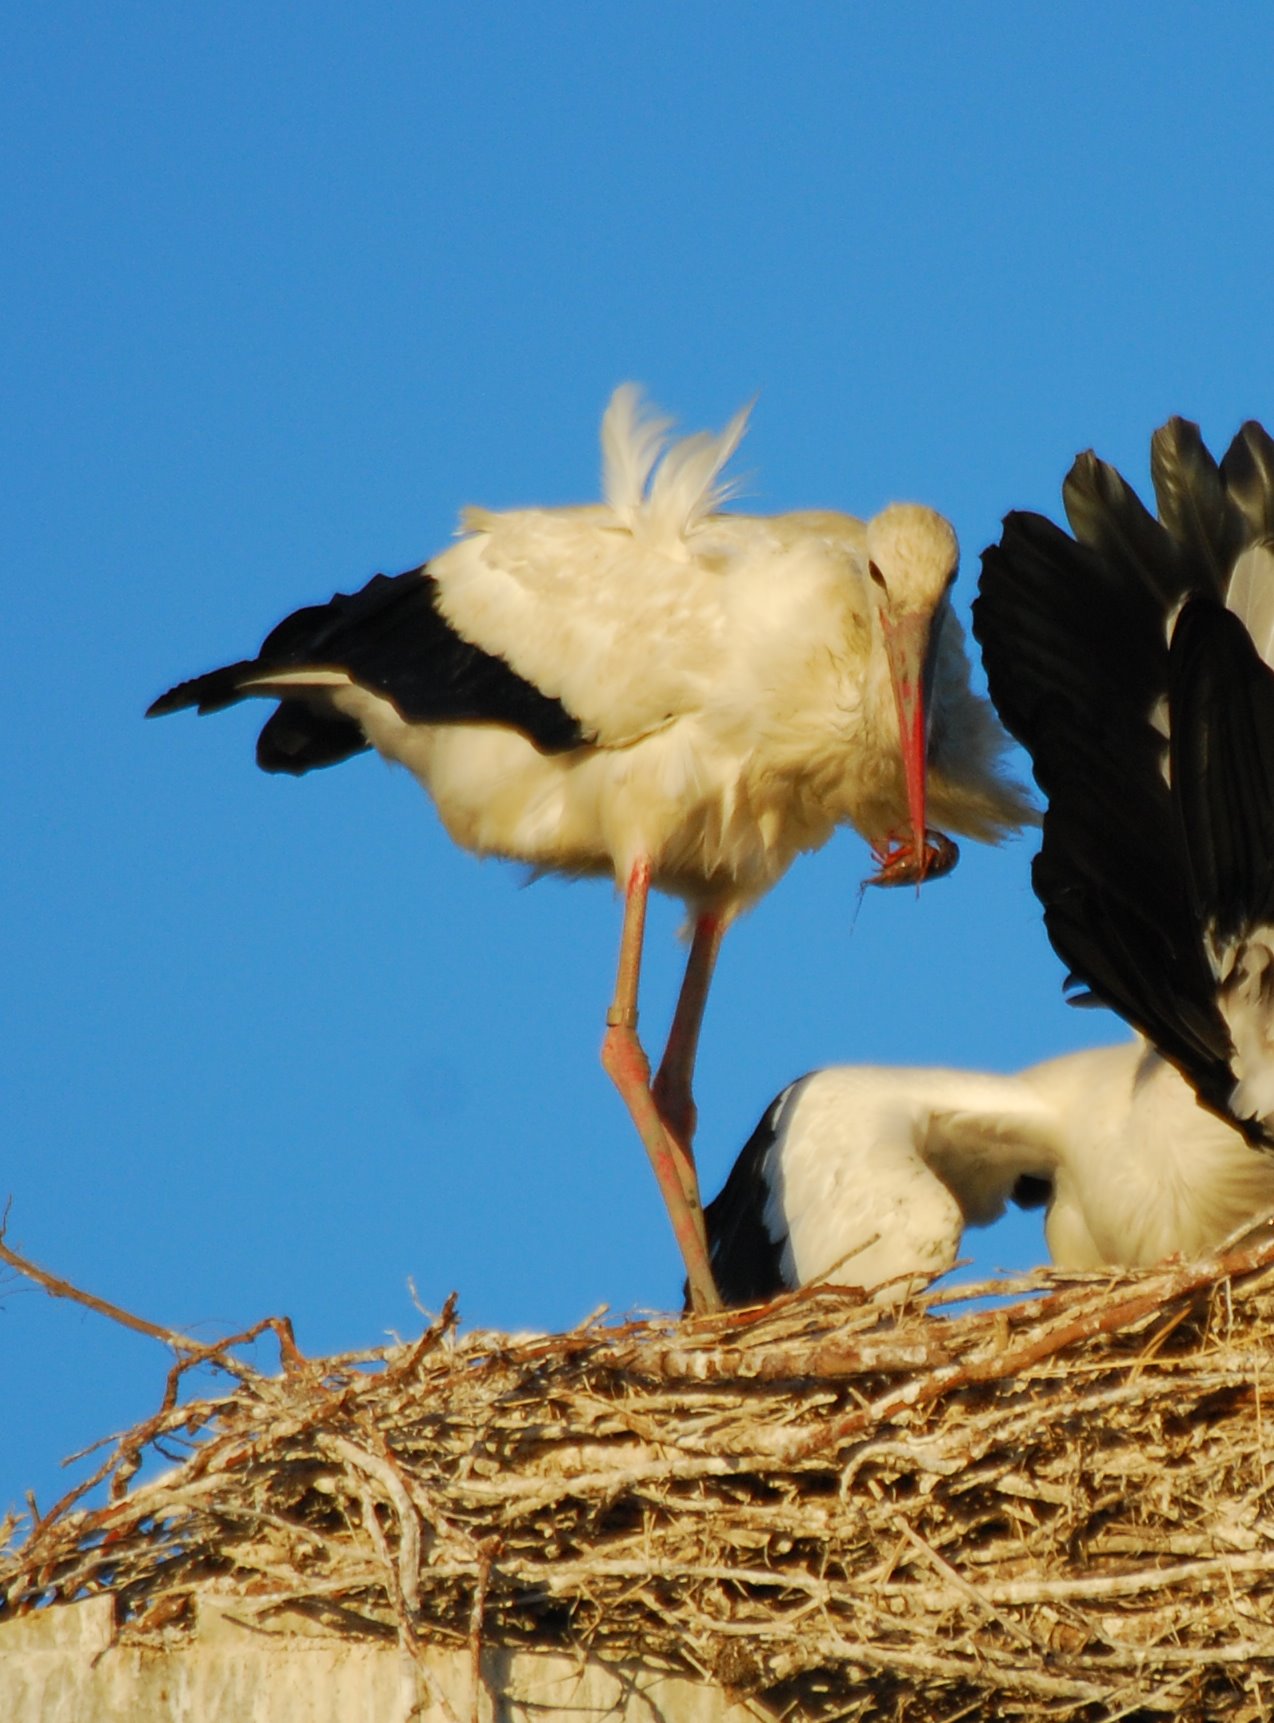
(1056, 1507)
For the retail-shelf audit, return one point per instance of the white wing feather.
(1251, 596)
(877, 1171)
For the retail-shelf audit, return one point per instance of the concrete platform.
(63, 1665)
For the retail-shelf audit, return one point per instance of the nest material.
(1056, 1507)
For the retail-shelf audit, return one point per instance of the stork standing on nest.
(655, 689)
(1133, 661)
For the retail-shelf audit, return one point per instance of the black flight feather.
(1142, 854)
(1222, 706)
(392, 638)
(1247, 471)
(747, 1262)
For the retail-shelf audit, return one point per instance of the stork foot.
(897, 862)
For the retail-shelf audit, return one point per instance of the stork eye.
(877, 576)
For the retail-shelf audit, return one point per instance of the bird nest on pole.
(1055, 1506)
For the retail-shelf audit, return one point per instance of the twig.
(56, 1287)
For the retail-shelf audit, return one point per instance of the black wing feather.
(1248, 474)
(390, 637)
(747, 1262)
(1222, 703)
(298, 738)
(1109, 519)
(1075, 643)
(1198, 517)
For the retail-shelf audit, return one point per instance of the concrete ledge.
(63, 1665)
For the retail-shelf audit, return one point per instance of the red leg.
(627, 1066)
(672, 1085)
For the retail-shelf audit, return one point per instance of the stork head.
(912, 557)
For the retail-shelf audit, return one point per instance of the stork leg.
(628, 1067)
(672, 1085)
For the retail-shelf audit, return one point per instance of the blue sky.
(284, 287)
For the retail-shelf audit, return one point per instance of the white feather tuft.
(685, 487)
(633, 437)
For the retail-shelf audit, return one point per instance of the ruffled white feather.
(659, 489)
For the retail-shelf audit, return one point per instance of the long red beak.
(909, 641)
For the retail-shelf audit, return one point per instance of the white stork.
(660, 691)
(1132, 661)
(867, 1175)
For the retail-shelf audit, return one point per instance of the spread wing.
(1077, 639)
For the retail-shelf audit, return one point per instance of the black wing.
(392, 638)
(1222, 707)
(1075, 636)
(747, 1261)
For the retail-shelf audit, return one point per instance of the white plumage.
(657, 689)
(864, 1175)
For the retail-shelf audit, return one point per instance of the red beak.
(909, 642)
